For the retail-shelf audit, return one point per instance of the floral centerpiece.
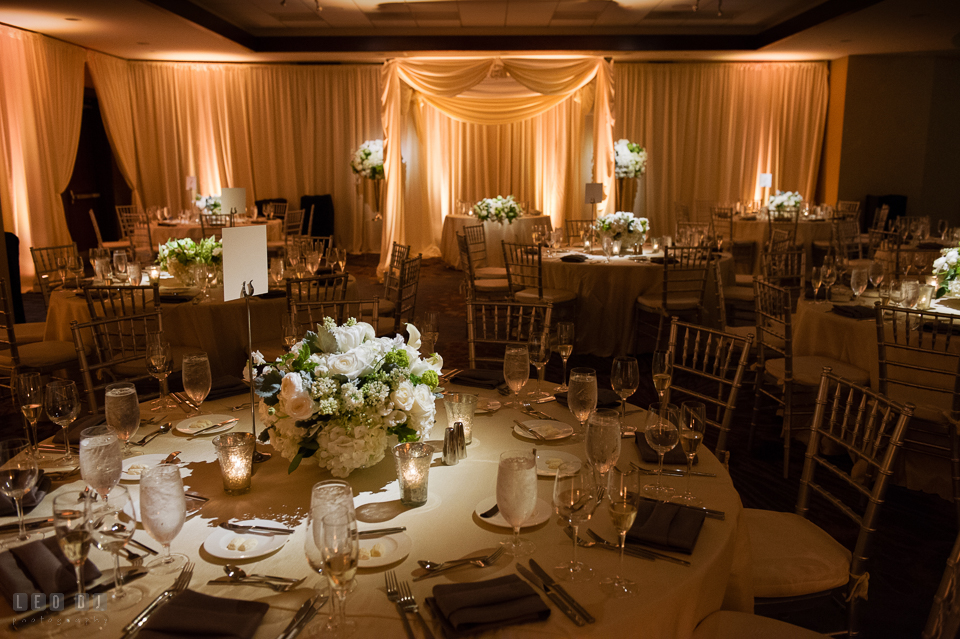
(367, 161)
(783, 200)
(947, 269)
(623, 226)
(178, 256)
(630, 159)
(497, 209)
(339, 393)
(210, 203)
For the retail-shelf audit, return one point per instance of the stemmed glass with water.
(159, 360)
(101, 459)
(18, 476)
(828, 273)
(516, 372)
(661, 368)
(163, 509)
(114, 524)
(858, 282)
(196, 378)
(603, 441)
(339, 546)
(538, 347)
(693, 426)
(582, 398)
(517, 495)
(122, 409)
(72, 522)
(623, 491)
(62, 402)
(575, 499)
(120, 266)
(625, 380)
(565, 348)
(662, 435)
(30, 395)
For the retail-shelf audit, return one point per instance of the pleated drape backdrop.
(710, 128)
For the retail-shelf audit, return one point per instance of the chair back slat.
(573, 230)
(943, 622)
(311, 313)
(408, 288)
(524, 264)
(391, 277)
(104, 301)
(492, 325)
(320, 288)
(685, 270)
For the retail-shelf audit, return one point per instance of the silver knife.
(297, 617)
(212, 426)
(676, 472)
(529, 430)
(29, 524)
(659, 555)
(307, 618)
(550, 581)
(554, 596)
(380, 532)
(256, 530)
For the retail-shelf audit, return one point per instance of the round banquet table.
(672, 598)
(808, 232)
(518, 231)
(606, 295)
(162, 232)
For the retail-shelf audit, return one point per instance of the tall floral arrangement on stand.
(630, 159)
(947, 269)
(367, 164)
(497, 209)
(209, 203)
(178, 256)
(623, 226)
(337, 397)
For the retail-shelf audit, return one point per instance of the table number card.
(244, 260)
(191, 182)
(235, 198)
(765, 180)
(593, 193)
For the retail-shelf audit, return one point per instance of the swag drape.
(526, 143)
(41, 106)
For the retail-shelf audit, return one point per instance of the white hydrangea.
(368, 160)
(785, 200)
(497, 209)
(630, 159)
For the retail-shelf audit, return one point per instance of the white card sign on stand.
(765, 180)
(244, 260)
(233, 199)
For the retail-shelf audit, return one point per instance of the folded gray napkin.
(855, 312)
(574, 257)
(29, 501)
(78, 426)
(40, 566)
(659, 260)
(476, 607)
(666, 526)
(227, 386)
(673, 457)
(191, 614)
(479, 378)
(606, 398)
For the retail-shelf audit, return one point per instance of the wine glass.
(30, 394)
(122, 409)
(829, 275)
(516, 371)
(114, 523)
(62, 269)
(315, 561)
(603, 441)
(517, 495)
(18, 476)
(662, 370)
(877, 273)
(291, 329)
(101, 458)
(858, 282)
(662, 435)
(693, 425)
(159, 362)
(575, 499)
(72, 522)
(328, 496)
(565, 348)
(625, 380)
(817, 282)
(163, 509)
(196, 378)
(75, 264)
(623, 490)
(429, 325)
(942, 226)
(63, 406)
(276, 271)
(896, 291)
(538, 347)
(582, 397)
(607, 243)
(339, 546)
(120, 266)
(201, 276)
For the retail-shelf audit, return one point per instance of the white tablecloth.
(518, 231)
(162, 233)
(672, 599)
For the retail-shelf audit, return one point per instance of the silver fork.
(533, 412)
(181, 583)
(480, 562)
(410, 605)
(393, 594)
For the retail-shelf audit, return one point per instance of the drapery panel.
(41, 106)
(710, 128)
(276, 130)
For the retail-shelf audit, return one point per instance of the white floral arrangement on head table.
(340, 393)
(497, 209)
(177, 256)
(623, 226)
(367, 161)
(210, 203)
(630, 159)
(947, 269)
(784, 200)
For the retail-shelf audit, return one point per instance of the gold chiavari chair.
(573, 230)
(492, 325)
(685, 271)
(391, 279)
(319, 288)
(477, 244)
(943, 622)
(45, 263)
(525, 275)
(105, 301)
(486, 288)
(124, 243)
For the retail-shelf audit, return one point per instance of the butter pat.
(367, 553)
(201, 423)
(242, 544)
(136, 469)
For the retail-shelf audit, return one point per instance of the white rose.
(291, 386)
(403, 397)
(350, 337)
(423, 401)
(299, 407)
(432, 363)
(348, 364)
(394, 417)
(952, 257)
(414, 341)
(939, 264)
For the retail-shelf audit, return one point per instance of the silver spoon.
(161, 431)
(236, 572)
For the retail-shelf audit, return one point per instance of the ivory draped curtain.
(41, 105)
(471, 147)
(710, 128)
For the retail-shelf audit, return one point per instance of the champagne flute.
(829, 275)
(340, 549)
(517, 495)
(101, 458)
(276, 271)
(693, 425)
(328, 496)
(342, 260)
(159, 362)
(817, 282)
(662, 371)
(429, 325)
(662, 435)
(163, 509)
(603, 441)
(623, 489)
(516, 371)
(574, 499)
(582, 398)
(63, 406)
(858, 283)
(538, 347)
(565, 348)
(18, 476)
(120, 266)
(625, 380)
(196, 378)
(291, 329)
(72, 515)
(30, 394)
(122, 409)
(115, 521)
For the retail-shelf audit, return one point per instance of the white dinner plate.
(485, 405)
(540, 514)
(548, 428)
(548, 461)
(187, 426)
(393, 549)
(218, 541)
(132, 467)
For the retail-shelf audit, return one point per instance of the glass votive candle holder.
(926, 297)
(413, 471)
(461, 407)
(153, 273)
(235, 452)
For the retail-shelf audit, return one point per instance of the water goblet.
(693, 426)
(62, 270)
(159, 361)
(911, 294)
(662, 435)
(623, 490)
(122, 409)
(163, 509)
(625, 380)
(101, 458)
(877, 273)
(196, 378)
(565, 348)
(829, 275)
(816, 281)
(18, 476)
(607, 244)
(292, 255)
(574, 499)
(72, 523)
(516, 371)
(114, 523)
(517, 495)
(63, 405)
(120, 266)
(538, 346)
(429, 325)
(858, 282)
(582, 398)
(661, 369)
(339, 546)
(201, 275)
(603, 441)
(30, 396)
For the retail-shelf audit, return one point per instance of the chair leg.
(756, 410)
(787, 428)
(955, 466)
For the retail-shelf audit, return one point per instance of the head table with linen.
(518, 231)
(671, 601)
(163, 232)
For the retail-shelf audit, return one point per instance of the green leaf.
(404, 433)
(267, 386)
(294, 463)
(941, 291)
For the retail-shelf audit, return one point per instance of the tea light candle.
(153, 272)
(413, 470)
(926, 297)
(235, 452)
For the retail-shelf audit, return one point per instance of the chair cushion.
(727, 624)
(555, 295)
(386, 308)
(792, 556)
(808, 369)
(43, 355)
(823, 244)
(116, 244)
(29, 332)
(492, 286)
(742, 331)
(744, 279)
(490, 273)
(653, 303)
(738, 293)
